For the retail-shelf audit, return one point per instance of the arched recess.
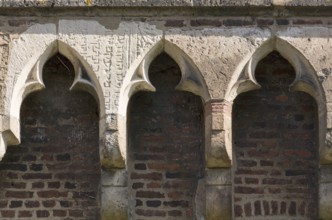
(243, 80)
(30, 80)
(137, 79)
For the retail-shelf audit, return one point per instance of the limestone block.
(218, 177)
(233, 3)
(313, 42)
(25, 52)
(217, 115)
(111, 156)
(219, 203)
(110, 53)
(325, 195)
(217, 52)
(216, 154)
(111, 122)
(325, 200)
(115, 177)
(114, 202)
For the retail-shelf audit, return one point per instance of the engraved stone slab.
(109, 52)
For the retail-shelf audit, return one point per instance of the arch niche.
(143, 82)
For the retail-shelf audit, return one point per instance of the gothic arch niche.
(50, 172)
(165, 146)
(276, 143)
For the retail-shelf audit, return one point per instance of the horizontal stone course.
(161, 3)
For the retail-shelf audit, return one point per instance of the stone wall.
(49, 174)
(165, 146)
(275, 154)
(216, 46)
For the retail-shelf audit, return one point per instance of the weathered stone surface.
(111, 156)
(115, 177)
(89, 3)
(114, 202)
(109, 52)
(219, 203)
(25, 51)
(217, 52)
(218, 177)
(325, 195)
(217, 155)
(114, 42)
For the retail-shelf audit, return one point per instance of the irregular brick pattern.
(165, 146)
(55, 172)
(275, 146)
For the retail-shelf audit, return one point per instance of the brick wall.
(275, 147)
(165, 146)
(55, 171)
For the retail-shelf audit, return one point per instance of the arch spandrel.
(306, 80)
(30, 80)
(137, 79)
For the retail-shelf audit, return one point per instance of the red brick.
(247, 209)
(292, 208)
(174, 23)
(238, 211)
(249, 180)
(298, 153)
(7, 213)
(75, 213)
(49, 203)
(276, 181)
(257, 206)
(149, 194)
(153, 185)
(247, 163)
(25, 214)
(174, 195)
(147, 176)
(19, 194)
(3, 204)
(266, 206)
(59, 213)
(307, 21)
(248, 190)
(15, 204)
(274, 207)
(153, 203)
(43, 176)
(164, 166)
(38, 185)
(205, 22)
(42, 213)
(150, 213)
(138, 185)
(174, 213)
(51, 194)
(31, 204)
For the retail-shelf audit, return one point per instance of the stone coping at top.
(164, 3)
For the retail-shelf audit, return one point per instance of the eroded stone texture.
(109, 52)
(165, 147)
(49, 175)
(218, 52)
(276, 147)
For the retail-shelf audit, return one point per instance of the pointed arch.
(30, 80)
(306, 80)
(137, 79)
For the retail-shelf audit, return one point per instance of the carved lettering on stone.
(109, 52)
